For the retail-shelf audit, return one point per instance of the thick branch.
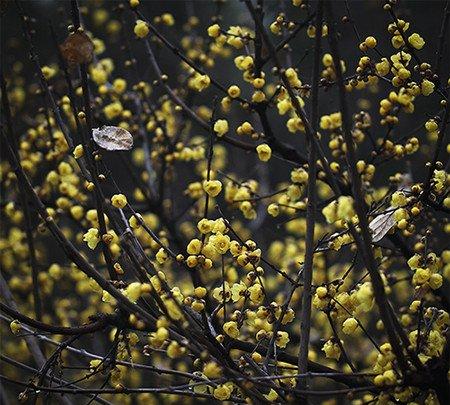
(305, 320)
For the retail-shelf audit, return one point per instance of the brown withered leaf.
(77, 48)
(381, 225)
(112, 138)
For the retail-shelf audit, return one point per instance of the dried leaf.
(112, 138)
(77, 48)
(381, 225)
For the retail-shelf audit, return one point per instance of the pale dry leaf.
(381, 225)
(112, 138)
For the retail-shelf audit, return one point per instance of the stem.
(305, 320)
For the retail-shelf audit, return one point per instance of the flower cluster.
(275, 227)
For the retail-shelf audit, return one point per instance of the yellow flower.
(234, 38)
(349, 326)
(168, 19)
(416, 41)
(220, 242)
(133, 291)
(272, 395)
(119, 200)
(15, 327)
(264, 152)
(275, 28)
(345, 208)
(332, 350)
(135, 221)
(99, 75)
(174, 350)
(64, 169)
(94, 364)
(173, 310)
(237, 291)
(427, 87)
(370, 42)
(364, 297)
(273, 210)
(119, 85)
(292, 77)
(389, 377)
(382, 67)
(214, 30)
(55, 271)
(327, 60)
(299, 175)
(330, 212)
(198, 306)
(258, 96)
(161, 256)
(218, 226)
(205, 226)
(221, 127)
(243, 62)
(200, 82)
(141, 29)
(92, 238)
(78, 151)
(435, 281)
(212, 187)
(439, 178)
(218, 292)
(245, 129)
(231, 329)
(284, 106)
(162, 334)
(234, 91)
(321, 292)
(398, 199)
(282, 339)
(397, 41)
(113, 110)
(222, 393)
(401, 58)
(288, 316)
(48, 72)
(194, 247)
(192, 261)
(212, 370)
(256, 293)
(431, 125)
(403, 73)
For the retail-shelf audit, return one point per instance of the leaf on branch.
(112, 138)
(77, 48)
(381, 225)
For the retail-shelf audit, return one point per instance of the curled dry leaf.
(77, 48)
(112, 138)
(381, 225)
